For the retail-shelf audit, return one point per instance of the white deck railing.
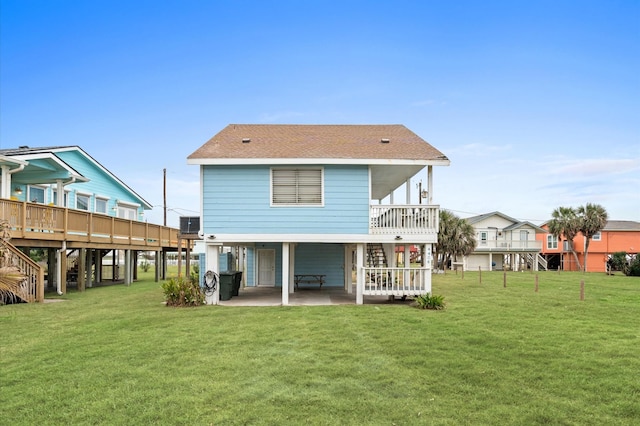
(396, 281)
(496, 245)
(405, 219)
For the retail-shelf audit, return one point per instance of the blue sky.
(537, 104)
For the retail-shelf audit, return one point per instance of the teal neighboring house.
(66, 176)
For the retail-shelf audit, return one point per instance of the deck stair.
(376, 257)
(31, 288)
(542, 262)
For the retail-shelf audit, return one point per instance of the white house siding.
(236, 200)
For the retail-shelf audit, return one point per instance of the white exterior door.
(524, 238)
(267, 267)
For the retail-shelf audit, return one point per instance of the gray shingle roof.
(270, 141)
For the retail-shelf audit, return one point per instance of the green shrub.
(145, 266)
(634, 268)
(182, 291)
(427, 301)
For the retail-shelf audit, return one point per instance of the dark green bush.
(634, 268)
(428, 301)
(182, 291)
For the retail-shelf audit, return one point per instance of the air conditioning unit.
(189, 225)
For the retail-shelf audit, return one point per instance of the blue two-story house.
(319, 204)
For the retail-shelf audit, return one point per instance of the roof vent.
(23, 147)
(246, 140)
(384, 140)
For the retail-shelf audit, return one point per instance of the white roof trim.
(297, 161)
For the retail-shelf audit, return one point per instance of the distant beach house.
(312, 204)
(616, 236)
(505, 243)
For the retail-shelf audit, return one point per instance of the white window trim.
(106, 201)
(44, 195)
(83, 194)
(552, 239)
(597, 236)
(272, 204)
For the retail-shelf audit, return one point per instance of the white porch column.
(285, 274)
(360, 274)
(430, 184)
(490, 261)
(408, 188)
(212, 260)
(60, 191)
(348, 267)
(128, 267)
(292, 262)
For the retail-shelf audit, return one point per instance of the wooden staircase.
(31, 287)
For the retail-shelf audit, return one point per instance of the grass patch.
(117, 355)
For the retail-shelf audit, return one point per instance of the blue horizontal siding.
(236, 200)
(321, 259)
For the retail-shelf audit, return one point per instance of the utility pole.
(164, 194)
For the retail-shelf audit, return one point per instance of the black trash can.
(237, 280)
(226, 285)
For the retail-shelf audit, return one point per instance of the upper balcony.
(509, 245)
(406, 219)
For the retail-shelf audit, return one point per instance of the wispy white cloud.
(591, 167)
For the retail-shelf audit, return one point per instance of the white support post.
(292, 262)
(128, 267)
(360, 274)
(408, 189)
(348, 267)
(490, 261)
(212, 253)
(430, 184)
(285, 274)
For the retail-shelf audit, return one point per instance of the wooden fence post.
(480, 274)
(504, 279)
(581, 289)
(536, 283)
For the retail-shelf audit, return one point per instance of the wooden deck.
(38, 225)
(33, 225)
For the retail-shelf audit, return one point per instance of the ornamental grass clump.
(428, 301)
(182, 291)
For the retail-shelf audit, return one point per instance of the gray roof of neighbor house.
(515, 225)
(319, 142)
(622, 225)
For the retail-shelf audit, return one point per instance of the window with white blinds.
(296, 187)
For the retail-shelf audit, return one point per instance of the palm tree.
(593, 217)
(456, 237)
(565, 222)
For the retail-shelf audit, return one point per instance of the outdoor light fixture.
(424, 194)
(18, 190)
(398, 237)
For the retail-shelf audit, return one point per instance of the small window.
(296, 187)
(552, 241)
(127, 212)
(597, 236)
(101, 205)
(82, 202)
(36, 194)
(483, 238)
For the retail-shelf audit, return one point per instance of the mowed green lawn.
(116, 355)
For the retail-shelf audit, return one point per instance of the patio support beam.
(285, 274)
(82, 269)
(430, 185)
(212, 253)
(128, 267)
(360, 274)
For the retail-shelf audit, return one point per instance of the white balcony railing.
(404, 219)
(519, 245)
(396, 281)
